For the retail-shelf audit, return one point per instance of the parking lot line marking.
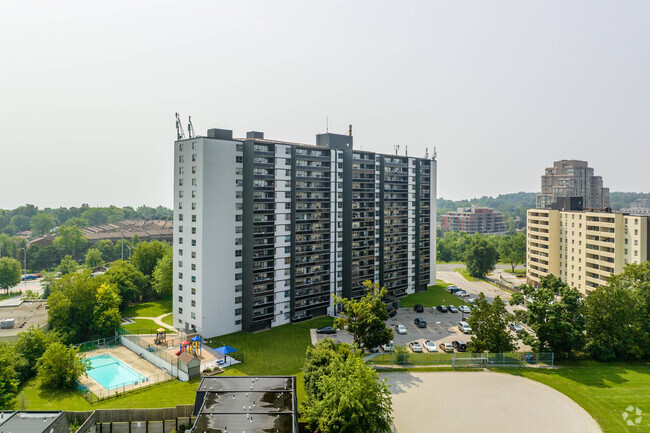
(416, 328)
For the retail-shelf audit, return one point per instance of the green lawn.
(144, 326)
(466, 275)
(603, 390)
(516, 272)
(6, 295)
(168, 320)
(435, 295)
(149, 309)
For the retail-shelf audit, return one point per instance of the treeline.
(610, 323)
(44, 355)
(454, 247)
(515, 204)
(42, 221)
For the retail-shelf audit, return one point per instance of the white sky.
(88, 89)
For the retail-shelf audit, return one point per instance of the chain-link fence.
(100, 343)
(98, 393)
(463, 359)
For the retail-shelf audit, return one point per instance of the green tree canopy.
(106, 314)
(351, 399)
(60, 367)
(480, 257)
(317, 363)
(10, 271)
(70, 240)
(146, 255)
(554, 313)
(94, 258)
(365, 318)
(512, 249)
(29, 347)
(76, 222)
(163, 274)
(67, 266)
(132, 284)
(8, 376)
(41, 224)
(490, 325)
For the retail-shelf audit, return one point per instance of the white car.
(415, 347)
(388, 347)
(400, 329)
(462, 294)
(464, 309)
(430, 346)
(470, 300)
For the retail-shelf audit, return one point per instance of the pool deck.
(142, 366)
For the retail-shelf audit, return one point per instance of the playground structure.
(193, 347)
(161, 336)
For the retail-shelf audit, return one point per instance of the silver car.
(430, 346)
(400, 329)
(415, 347)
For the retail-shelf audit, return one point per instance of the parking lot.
(441, 327)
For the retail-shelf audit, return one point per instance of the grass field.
(144, 326)
(149, 309)
(466, 275)
(168, 320)
(6, 295)
(603, 390)
(435, 295)
(516, 272)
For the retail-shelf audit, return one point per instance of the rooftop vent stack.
(350, 131)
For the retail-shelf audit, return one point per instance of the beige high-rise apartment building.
(572, 178)
(584, 248)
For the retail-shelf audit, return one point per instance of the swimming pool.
(111, 373)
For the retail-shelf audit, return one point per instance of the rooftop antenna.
(426, 153)
(327, 123)
(406, 152)
(190, 129)
(180, 134)
(396, 148)
(350, 131)
(435, 153)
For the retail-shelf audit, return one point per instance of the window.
(180, 229)
(238, 229)
(237, 253)
(238, 206)
(193, 279)
(193, 218)
(194, 157)
(238, 277)
(193, 290)
(180, 264)
(240, 147)
(238, 265)
(180, 275)
(193, 303)
(238, 288)
(238, 241)
(180, 193)
(238, 300)
(238, 322)
(180, 170)
(194, 182)
(193, 230)
(193, 242)
(193, 254)
(180, 147)
(237, 311)
(180, 240)
(193, 315)
(239, 159)
(239, 194)
(180, 310)
(180, 299)
(180, 217)
(180, 205)
(193, 206)
(193, 193)
(238, 218)
(193, 267)
(181, 159)
(194, 169)
(180, 287)
(239, 182)
(180, 182)
(180, 252)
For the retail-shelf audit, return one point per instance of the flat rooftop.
(246, 404)
(28, 313)
(27, 422)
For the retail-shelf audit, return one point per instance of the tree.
(617, 316)
(29, 347)
(8, 376)
(60, 367)
(10, 271)
(96, 216)
(351, 399)
(77, 222)
(480, 257)
(554, 313)
(317, 361)
(67, 266)
(10, 230)
(21, 222)
(490, 326)
(70, 240)
(365, 318)
(132, 284)
(94, 258)
(41, 224)
(146, 255)
(163, 275)
(108, 250)
(107, 315)
(512, 249)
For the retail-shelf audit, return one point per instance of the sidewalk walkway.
(158, 321)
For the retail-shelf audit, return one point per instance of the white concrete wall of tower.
(205, 275)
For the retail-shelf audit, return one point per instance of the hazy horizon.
(88, 90)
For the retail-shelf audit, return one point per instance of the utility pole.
(25, 268)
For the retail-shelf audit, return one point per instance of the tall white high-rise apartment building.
(266, 231)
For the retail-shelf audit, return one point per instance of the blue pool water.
(111, 373)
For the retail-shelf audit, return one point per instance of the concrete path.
(459, 402)
(158, 321)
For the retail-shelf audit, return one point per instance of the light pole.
(25, 267)
(129, 247)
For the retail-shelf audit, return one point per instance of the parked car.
(415, 347)
(452, 309)
(464, 309)
(28, 277)
(464, 327)
(418, 308)
(392, 312)
(441, 308)
(470, 300)
(400, 329)
(446, 347)
(326, 330)
(430, 346)
(451, 287)
(420, 322)
(459, 346)
(462, 294)
(456, 290)
(515, 327)
(388, 347)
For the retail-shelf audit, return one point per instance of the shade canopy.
(184, 342)
(197, 338)
(161, 330)
(224, 350)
